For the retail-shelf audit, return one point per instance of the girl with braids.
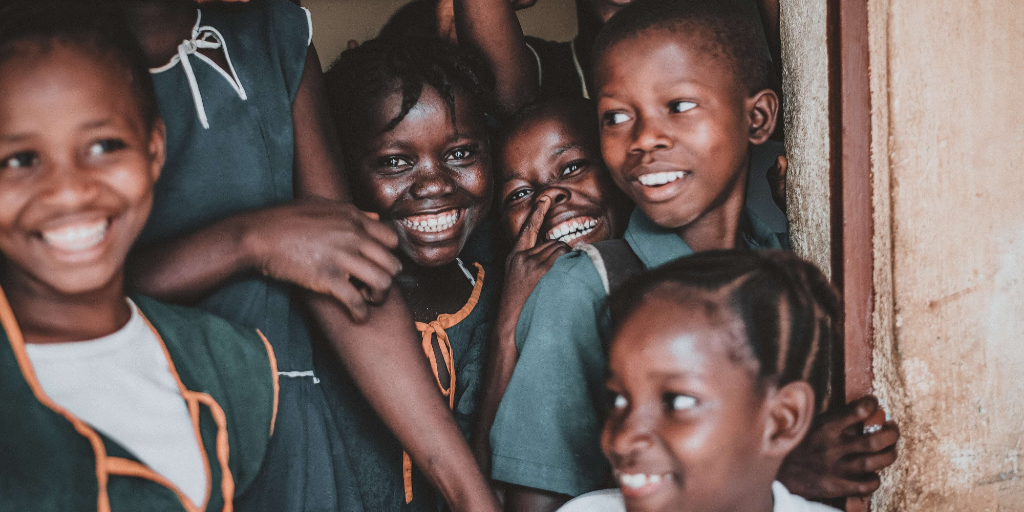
(719, 364)
(415, 138)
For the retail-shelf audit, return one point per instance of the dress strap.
(203, 37)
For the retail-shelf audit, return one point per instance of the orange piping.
(125, 467)
(275, 376)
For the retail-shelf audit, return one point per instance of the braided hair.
(379, 67)
(792, 316)
(96, 26)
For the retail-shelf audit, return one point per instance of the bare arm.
(383, 355)
(491, 26)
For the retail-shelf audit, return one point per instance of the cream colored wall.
(948, 130)
(337, 21)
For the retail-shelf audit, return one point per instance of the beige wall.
(337, 21)
(948, 130)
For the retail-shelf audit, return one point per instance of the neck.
(161, 26)
(46, 315)
(719, 227)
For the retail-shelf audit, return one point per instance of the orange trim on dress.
(125, 467)
(437, 328)
(275, 376)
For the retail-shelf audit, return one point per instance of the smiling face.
(687, 425)
(431, 179)
(677, 124)
(555, 154)
(77, 167)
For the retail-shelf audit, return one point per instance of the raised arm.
(491, 26)
(383, 355)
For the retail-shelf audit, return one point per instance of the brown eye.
(613, 118)
(101, 147)
(517, 195)
(678, 107)
(20, 160)
(675, 402)
(574, 167)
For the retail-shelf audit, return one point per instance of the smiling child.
(682, 98)
(411, 118)
(719, 364)
(110, 402)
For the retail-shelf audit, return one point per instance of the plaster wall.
(337, 21)
(805, 88)
(948, 143)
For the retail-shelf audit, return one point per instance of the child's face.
(676, 125)
(431, 179)
(686, 429)
(552, 156)
(77, 167)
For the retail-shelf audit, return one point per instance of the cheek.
(477, 183)
(382, 193)
(515, 217)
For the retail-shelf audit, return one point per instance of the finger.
(873, 443)
(367, 272)
(857, 412)
(372, 215)
(352, 44)
(871, 463)
(554, 249)
(861, 486)
(381, 256)
(352, 300)
(531, 228)
(381, 232)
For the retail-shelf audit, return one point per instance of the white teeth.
(432, 223)
(77, 237)
(659, 178)
(640, 479)
(571, 230)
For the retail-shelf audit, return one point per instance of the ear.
(157, 148)
(790, 412)
(763, 109)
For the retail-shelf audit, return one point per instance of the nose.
(69, 185)
(649, 135)
(555, 194)
(627, 437)
(432, 180)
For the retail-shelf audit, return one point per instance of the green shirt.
(547, 431)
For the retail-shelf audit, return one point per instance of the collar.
(656, 245)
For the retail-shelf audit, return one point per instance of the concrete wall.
(805, 87)
(948, 130)
(337, 21)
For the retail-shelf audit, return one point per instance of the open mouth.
(641, 484)
(432, 223)
(572, 229)
(659, 178)
(77, 237)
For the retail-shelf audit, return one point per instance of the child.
(411, 116)
(110, 403)
(719, 364)
(251, 222)
(682, 98)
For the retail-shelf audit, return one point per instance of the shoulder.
(565, 304)
(606, 500)
(786, 502)
(575, 270)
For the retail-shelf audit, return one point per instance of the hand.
(322, 246)
(777, 181)
(840, 457)
(446, 21)
(527, 263)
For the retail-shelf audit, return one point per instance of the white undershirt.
(122, 386)
(610, 500)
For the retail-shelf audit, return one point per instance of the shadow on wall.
(337, 21)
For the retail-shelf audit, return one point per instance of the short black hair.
(729, 31)
(379, 67)
(96, 25)
(792, 316)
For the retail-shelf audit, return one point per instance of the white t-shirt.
(122, 386)
(610, 500)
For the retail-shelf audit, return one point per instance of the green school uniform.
(547, 431)
(230, 149)
(54, 461)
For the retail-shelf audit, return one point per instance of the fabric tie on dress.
(436, 329)
(207, 38)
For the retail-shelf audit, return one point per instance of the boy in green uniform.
(110, 402)
(682, 98)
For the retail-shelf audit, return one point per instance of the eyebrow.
(13, 139)
(568, 147)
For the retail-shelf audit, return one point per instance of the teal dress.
(230, 149)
